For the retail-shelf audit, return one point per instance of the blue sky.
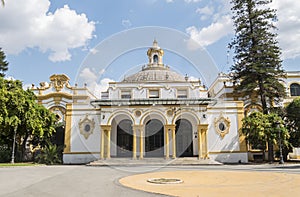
(42, 37)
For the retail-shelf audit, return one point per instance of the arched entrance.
(184, 138)
(154, 138)
(124, 138)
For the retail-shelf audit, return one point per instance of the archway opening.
(155, 59)
(154, 138)
(124, 138)
(184, 138)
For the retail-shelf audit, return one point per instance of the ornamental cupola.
(155, 55)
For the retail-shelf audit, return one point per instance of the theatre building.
(155, 112)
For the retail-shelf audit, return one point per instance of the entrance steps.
(153, 161)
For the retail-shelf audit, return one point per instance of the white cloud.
(94, 51)
(169, 1)
(88, 75)
(101, 71)
(205, 12)
(126, 23)
(90, 78)
(288, 13)
(219, 14)
(29, 24)
(211, 34)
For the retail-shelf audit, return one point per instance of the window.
(153, 94)
(125, 94)
(155, 59)
(295, 89)
(181, 93)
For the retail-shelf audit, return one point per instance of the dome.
(163, 74)
(155, 70)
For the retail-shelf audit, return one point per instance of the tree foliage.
(257, 64)
(261, 128)
(293, 121)
(19, 111)
(3, 63)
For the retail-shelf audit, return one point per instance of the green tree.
(257, 64)
(3, 63)
(19, 112)
(260, 129)
(293, 121)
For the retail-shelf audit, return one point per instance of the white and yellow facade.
(155, 112)
(223, 88)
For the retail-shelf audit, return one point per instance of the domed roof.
(151, 74)
(155, 70)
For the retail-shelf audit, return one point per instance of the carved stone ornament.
(59, 81)
(86, 126)
(222, 125)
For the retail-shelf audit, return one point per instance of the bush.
(50, 155)
(5, 156)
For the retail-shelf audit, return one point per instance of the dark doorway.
(124, 139)
(184, 138)
(154, 139)
(58, 137)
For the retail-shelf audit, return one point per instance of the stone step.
(153, 161)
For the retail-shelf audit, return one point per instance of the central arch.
(124, 138)
(184, 138)
(154, 138)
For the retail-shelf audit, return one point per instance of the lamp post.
(280, 147)
(14, 145)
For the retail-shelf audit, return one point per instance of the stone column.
(105, 141)
(174, 143)
(68, 130)
(171, 127)
(199, 142)
(102, 144)
(141, 142)
(108, 144)
(202, 151)
(205, 143)
(135, 128)
(202, 141)
(167, 142)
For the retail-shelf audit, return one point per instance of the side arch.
(118, 115)
(188, 115)
(153, 114)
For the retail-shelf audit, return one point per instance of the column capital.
(203, 127)
(105, 127)
(137, 127)
(170, 127)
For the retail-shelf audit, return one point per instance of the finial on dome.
(155, 44)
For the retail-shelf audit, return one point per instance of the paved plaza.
(198, 180)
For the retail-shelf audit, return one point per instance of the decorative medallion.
(222, 125)
(138, 113)
(86, 126)
(170, 112)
